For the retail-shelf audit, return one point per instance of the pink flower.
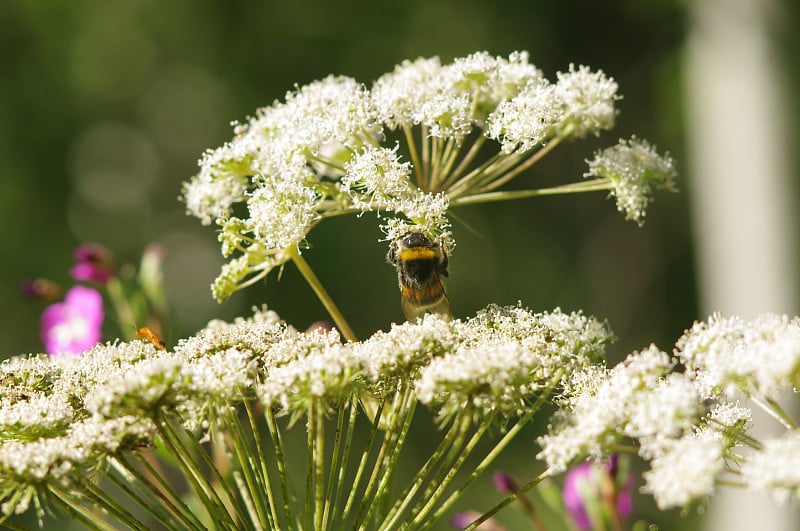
(93, 263)
(73, 326)
(595, 491)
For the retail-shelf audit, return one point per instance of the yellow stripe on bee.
(417, 253)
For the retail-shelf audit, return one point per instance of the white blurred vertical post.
(741, 191)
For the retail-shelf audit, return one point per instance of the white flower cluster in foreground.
(683, 421)
(333, 147)
(62, 416)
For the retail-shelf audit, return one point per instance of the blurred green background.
(105, 108)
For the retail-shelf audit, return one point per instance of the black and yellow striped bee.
(421, 263)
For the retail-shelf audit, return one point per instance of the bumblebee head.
(410, 240)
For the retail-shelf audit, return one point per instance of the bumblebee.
(421, 263)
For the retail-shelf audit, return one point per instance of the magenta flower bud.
(589, 486)
(73, 326)
(462, 520)
(93, 263)
(505, 484)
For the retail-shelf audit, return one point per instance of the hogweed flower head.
(64, 416)
(635, 170)
(406, 148)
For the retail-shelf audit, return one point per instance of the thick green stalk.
(322, 294)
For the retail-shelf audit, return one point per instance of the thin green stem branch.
(322, 294)
(420, 477)
(336, 518)
(496, 509)
(158, 511)
(572, 188)
(319, 464)
(536, 157)
(412, 149)
(507, 438)
(262, 463)
(333, 482)
(277, 441)
(363, 463)
(163, 490)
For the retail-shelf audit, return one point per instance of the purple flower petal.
(73, 326)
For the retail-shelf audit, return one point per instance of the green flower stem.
(341, 469)
(103, 500)
(310, 442)
(319, 289)
(407, 413)
(319, 464)
(509, 436)
(277, 441)
(12, 526)
(419, 478)
(333, 483)
(412, 149)
(159, 511)
(572, 188)
(496, 509)
(444, 483)
(92, 518)
(256, 486)
(363, 463)
(785, 417)
(536, 157)
(262, 463)
(426, 158)
(208, 497)
(162, 491)
(383, 451)
(465, 162)
(478, 173)
(234, 504)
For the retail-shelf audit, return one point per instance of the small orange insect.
(149, 334)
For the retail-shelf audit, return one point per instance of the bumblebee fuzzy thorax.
(420, 264)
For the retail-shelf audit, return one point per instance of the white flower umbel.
(637, 399)
(686, 471)
(634, 170)
(776, 468)
(423, 139)
(217, 403)
(760, 357)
